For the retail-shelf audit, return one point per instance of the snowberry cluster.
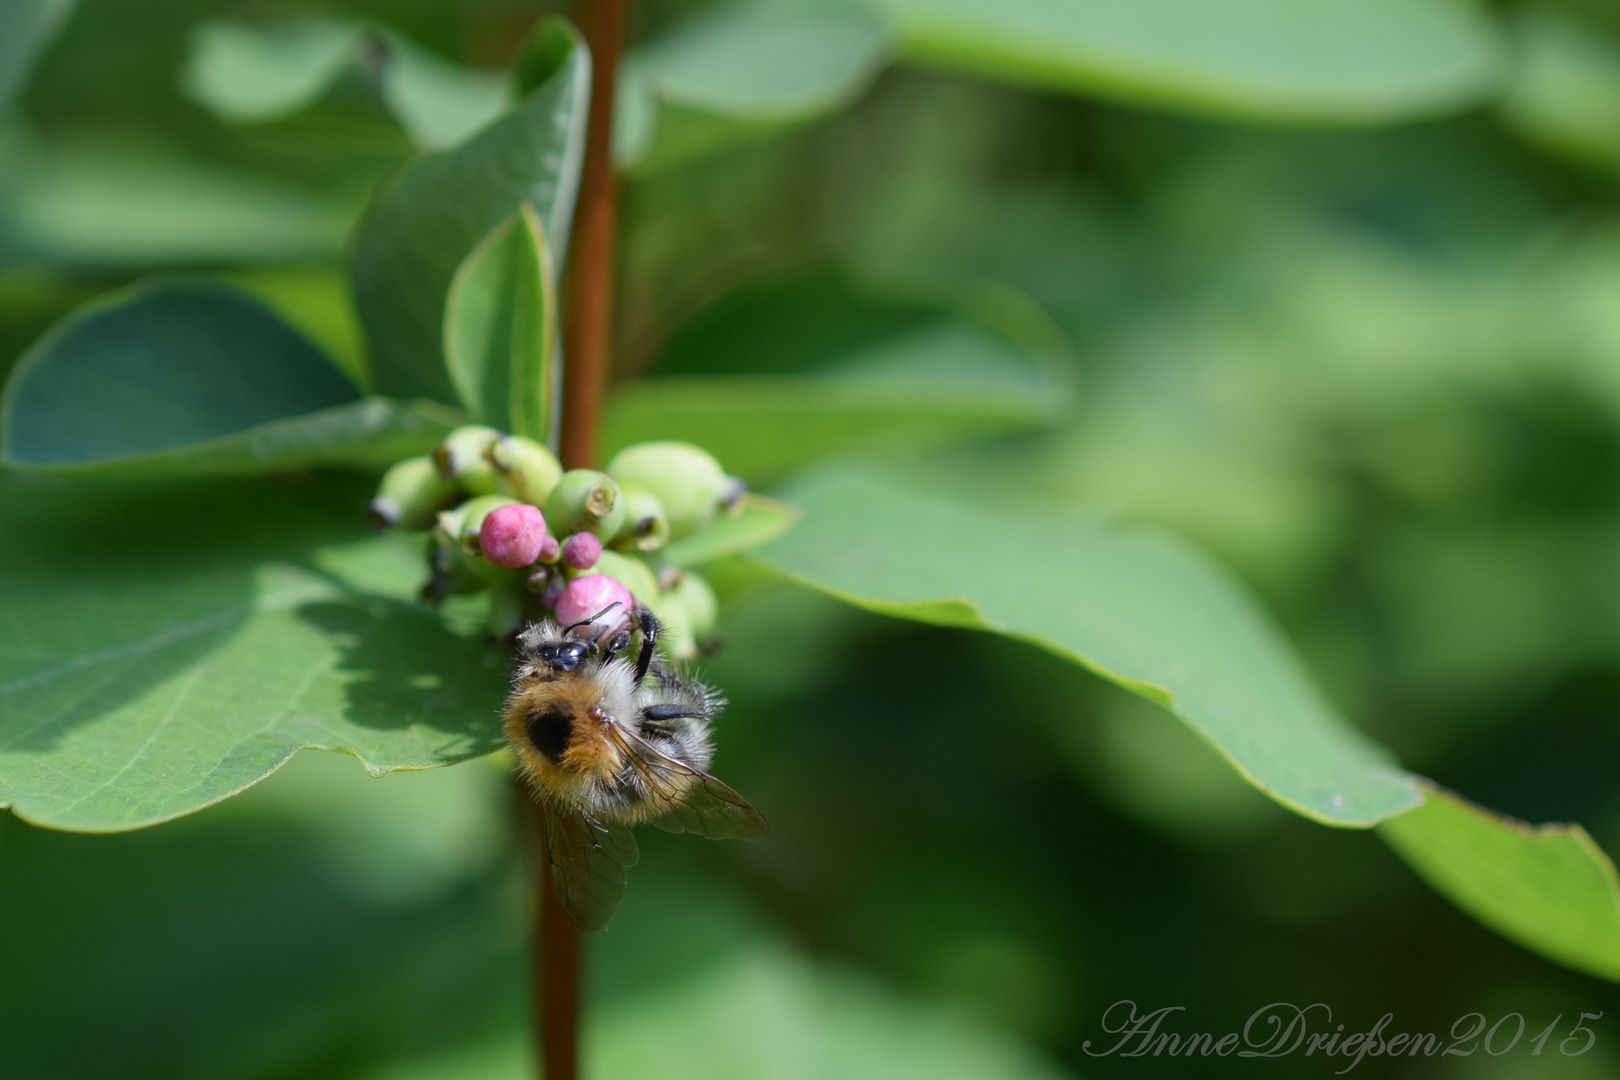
(504, 517)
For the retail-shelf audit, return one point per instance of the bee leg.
(650, 627)
(659, 713)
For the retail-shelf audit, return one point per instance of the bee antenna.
(586, 622)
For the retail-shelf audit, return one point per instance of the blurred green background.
(1367, 354)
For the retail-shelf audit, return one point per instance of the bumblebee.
(608, 739)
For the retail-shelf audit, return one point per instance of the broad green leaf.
(756, 521)
(942, 382)
(1565, 91)
(26, 27)
(761, 64)
(500, 329)
(195, 379)
(164, 647)
(316, 301)
(246, 72)
(1547, 887)
(129, 203)
(1133, 606)
(1329, 61)
(425, 221)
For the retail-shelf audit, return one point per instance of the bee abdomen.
(549, 728)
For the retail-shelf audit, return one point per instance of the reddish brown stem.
(555, 954)
(587, 324)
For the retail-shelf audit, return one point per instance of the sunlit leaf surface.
(144, 677)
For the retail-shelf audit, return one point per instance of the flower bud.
(582, 550)
(550, 550)
(462, 458)
(701, 606)
(468, 519)
(676, 642)
(585, 501)
(631, 572)
(512, 535)
(524, 469)
(645, 526)
(553, 592)
(595, 595)
(686, 479)
(538, 578)
(411, 493)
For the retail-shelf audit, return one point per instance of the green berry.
(411, 493)
(505, 613)
(686, 479)
(585, 500)
(463, 458)
(524, 469)
(645, 526)
(701, 605)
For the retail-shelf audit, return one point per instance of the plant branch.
(557, 948)
(589, 323)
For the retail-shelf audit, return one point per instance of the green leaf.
(115, 202)
(26, 27)
(1331, 61)
(763, 65)
(1133, 606)
(1565, 91)
(500, 329)
(195, 379)
(165, 647)
(424, 223)
(246, 73)
(943, 382)
(757, 521)
(1547, 887)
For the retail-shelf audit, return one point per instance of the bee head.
(563, 655)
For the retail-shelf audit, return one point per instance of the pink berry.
(582, 550)
(511, 535)
(592, 595)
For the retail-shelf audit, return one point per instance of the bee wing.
(691, 800)
(588, 860)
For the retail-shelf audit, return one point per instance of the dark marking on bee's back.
(549, 729)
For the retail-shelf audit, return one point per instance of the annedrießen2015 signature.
(1281, 1029)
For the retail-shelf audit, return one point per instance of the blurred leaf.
(26, 27)
(195, 379)
(941, 382)
(767, 1012)
(763, 1012)
(424, 222)
(500, 329)
(1547, 887)
(252, 73)
(114, 203)
(762, 65)
(316, 301)
(331, 921)
(1565, 91)
(1324, 61)
(757, 521)
(145, 677)
(1132, 606)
